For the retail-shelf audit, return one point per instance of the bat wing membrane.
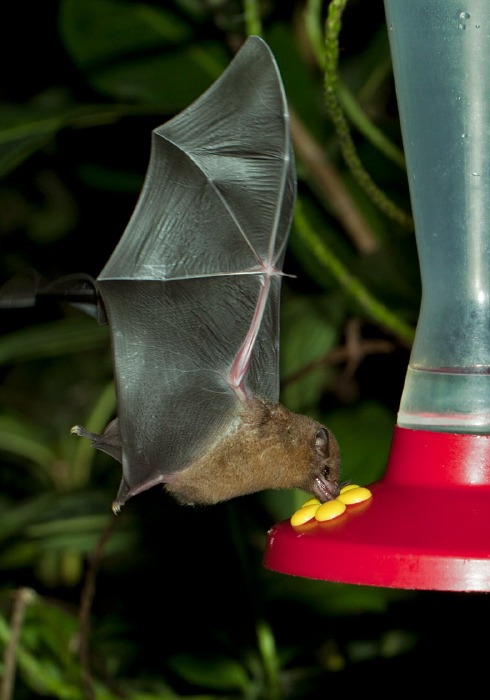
(182, 286)
(219, 193)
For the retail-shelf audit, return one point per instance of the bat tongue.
(325, 490)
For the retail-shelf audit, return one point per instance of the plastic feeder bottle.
(428, 523)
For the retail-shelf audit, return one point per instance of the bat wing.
(192, 289)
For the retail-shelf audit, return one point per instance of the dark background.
(182, 604)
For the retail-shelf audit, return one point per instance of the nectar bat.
(191, 295)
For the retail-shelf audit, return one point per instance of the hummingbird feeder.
(427, 525)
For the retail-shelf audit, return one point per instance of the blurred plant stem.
(79, 117)
(329, 181)
(22, 598)
(97, 420)
(253, 22)
(270, 661)
(68, 335)
(314, 29)
(375, 309)
(86, 601)
(31, 133)
(366, 127)
(336, 114)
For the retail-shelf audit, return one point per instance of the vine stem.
(378, 197)
(329, 181)
(86, 600)
(374, 308)
(22, 598)
(253, 22)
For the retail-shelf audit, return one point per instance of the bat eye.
(326, 472)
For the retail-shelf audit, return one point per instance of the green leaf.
(220, 674)
(280, 504)
(140, 53)
(354, 288)
(303, 89)
(305, 252)
(171, 80)
(335, 599)
(364, 432)
(83, 454)
(24, 130)
(69, 335)
(43, 675)
(309, 332)
(25, 440)
(97, 31)
(14, 517)
(16, 152)
(110, 179)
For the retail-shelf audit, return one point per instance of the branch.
(22, 598)
(328, 179)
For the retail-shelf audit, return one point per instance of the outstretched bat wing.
(191, 294)
(192, 289)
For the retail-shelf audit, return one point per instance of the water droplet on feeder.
(463, 16)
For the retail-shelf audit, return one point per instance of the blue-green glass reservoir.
(441, 59)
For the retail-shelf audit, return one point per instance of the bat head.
(325, 469)
(295, 451)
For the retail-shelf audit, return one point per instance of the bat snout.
(325, 490)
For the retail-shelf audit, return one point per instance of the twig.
(355, 346)
(327, 177)
(86, 600)
(22, 598)
(340, 354)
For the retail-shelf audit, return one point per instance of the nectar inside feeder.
(427, 525)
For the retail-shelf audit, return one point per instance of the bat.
(191, 295)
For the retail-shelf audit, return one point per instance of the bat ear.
(322, 443)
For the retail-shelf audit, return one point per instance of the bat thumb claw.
(82, 432)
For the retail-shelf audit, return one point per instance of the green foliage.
(136, 52)
(212, 673)
(97, 31)
(51, 339)
(370, 423)
(310, 332)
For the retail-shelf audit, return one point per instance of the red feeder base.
(427, 525)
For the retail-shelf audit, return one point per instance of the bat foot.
(116, 507)
(82, 432)
(123, 495)
(109, 442)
